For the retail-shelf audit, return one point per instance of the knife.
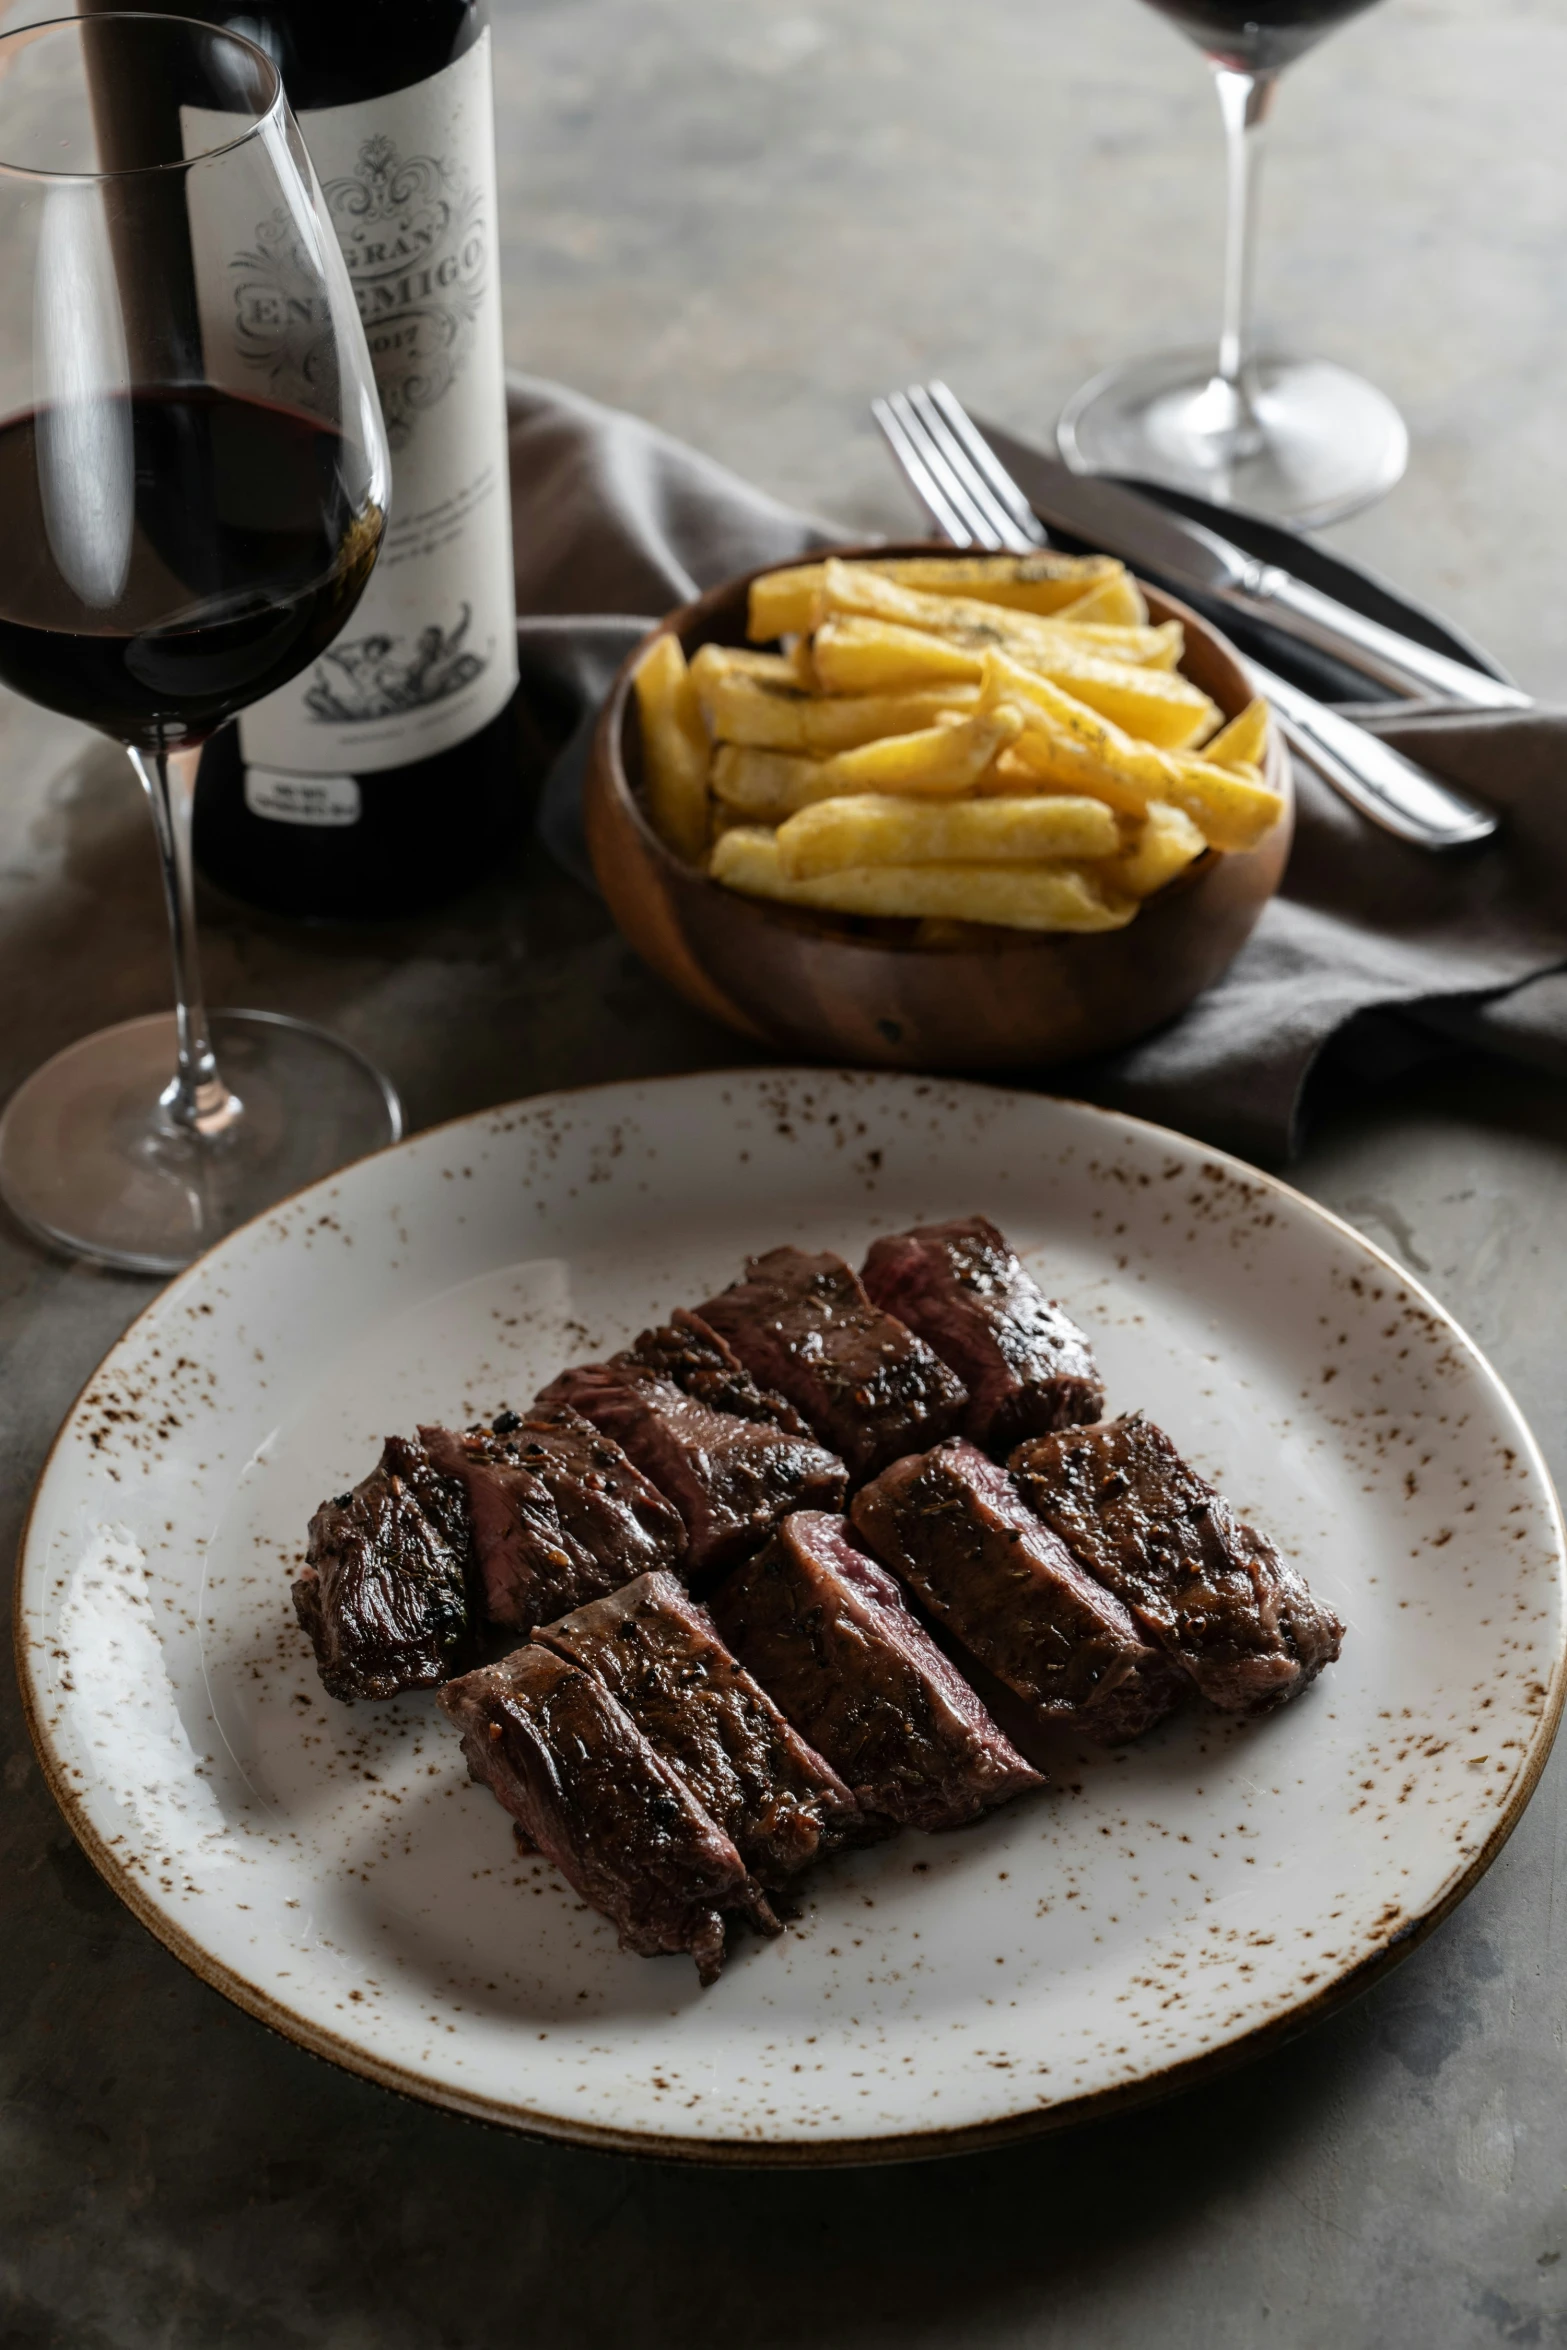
(1187, 554)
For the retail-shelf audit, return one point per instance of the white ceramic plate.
(332, 1869)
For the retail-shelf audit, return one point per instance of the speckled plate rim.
(838, 2153)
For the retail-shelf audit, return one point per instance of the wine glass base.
(90, 1163)
(1323, 444)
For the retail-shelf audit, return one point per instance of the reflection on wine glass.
(1303, 441)
(191, 501)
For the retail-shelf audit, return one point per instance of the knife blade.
(1186, 554)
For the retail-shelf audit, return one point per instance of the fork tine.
(973, 514)
(989, 526)
(981, 493)
(984, 457)
(918, 474)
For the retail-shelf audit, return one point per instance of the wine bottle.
(385, 777)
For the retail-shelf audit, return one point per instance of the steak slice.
(1212, 1591)
(730, 1479)
(827, 1634)
(699, 1361)
(870, 1389)
(1027, 1366)
(384, 1590)
(656, 1651)
(589, 1791)
(950, 1525)
(559, 1513)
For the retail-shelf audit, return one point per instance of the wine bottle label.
(430, 653)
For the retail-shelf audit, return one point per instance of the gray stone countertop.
(744, 222)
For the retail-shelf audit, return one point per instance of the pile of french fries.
(998, 739)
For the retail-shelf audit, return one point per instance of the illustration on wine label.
(372, 684)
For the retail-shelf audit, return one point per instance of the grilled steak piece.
(1213, 1592)
(559, 1513)
(950, 1525)
(869, 1387)
(730, 1479)
(590, 1792)
(656, 1651)
(384, 1591)
(827, 1634)
(1025, 1363)
(699, 1361)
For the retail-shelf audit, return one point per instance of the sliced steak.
(950, 1525)
(688, 1351)
(654, 1649)
(590, 1793)
(730, 1479)
(1027, 1366)
(384, 1593)
(828, 1636)
(560, 1515)
(1212, 1591)
(870, 1389)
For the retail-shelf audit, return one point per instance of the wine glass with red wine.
(1300, 440)
(193, 482)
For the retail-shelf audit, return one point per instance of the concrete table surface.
(745, 221)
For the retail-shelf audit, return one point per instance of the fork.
(973, 501)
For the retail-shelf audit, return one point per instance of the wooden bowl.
(839, 987)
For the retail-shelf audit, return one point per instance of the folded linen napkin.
(1373, 956)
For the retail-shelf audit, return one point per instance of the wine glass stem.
(196, 1099)
(1245, 101)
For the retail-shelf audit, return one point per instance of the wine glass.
(193, 482)
(1300, 440)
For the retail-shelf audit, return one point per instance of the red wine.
(1258, 36)
(171, 555)
(387, 777)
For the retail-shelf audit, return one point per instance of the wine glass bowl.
(192, 496)
(1300, 441)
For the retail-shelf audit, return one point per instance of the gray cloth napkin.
(1373, 957)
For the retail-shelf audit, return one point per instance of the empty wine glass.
(193, 481)
(1301, 440)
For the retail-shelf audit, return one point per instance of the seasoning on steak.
(1213, 1592)
(656, 1650)
(730, 1479)
(560, 1515)
(686, 1350)
(870, 1389)
(827, 1634)
(590, 1793)
(384, 1591)
(1027, 1366)
(950, 1525)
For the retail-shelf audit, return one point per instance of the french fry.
(1229, 809)
(740, 711)
(885, 830)
(856, 656)
(791, 671)
(1244, 742)
(1070, 747)
(1042, 583)
(1166, 844)
(675, 748)
(1019, 897)
(784, 603)
(1144, 648)
(942, 760)
(1116, 599)
(863, 590)
(767, 786)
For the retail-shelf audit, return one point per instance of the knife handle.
(1391, 790)
(1384, 655)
